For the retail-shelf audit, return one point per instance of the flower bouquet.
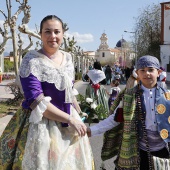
(94, 110)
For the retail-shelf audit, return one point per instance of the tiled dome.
(120, 42)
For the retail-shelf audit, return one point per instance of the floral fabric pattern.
(55, 147)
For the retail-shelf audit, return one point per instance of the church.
(122, 54)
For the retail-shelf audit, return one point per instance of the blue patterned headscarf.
(148, 61)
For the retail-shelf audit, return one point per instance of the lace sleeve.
(37, 113)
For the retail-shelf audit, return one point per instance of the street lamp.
(135, 45)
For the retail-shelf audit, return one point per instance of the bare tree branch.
(18, 1)
(3, 14)
(29, 46)
(4, 35)
(24, 29)
(26, 11)
(2, 50)
(8, 4)
(38, 44)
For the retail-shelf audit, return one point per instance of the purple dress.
(50, 144)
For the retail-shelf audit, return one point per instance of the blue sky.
(87, 19)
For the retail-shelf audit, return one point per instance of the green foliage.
(98, 112)
(5, 108)
(8, 66)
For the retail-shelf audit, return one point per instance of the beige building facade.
(109, 56)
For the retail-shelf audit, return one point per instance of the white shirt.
(150, 123)
(149, 100)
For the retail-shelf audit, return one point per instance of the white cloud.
(80, 38)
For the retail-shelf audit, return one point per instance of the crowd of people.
(115, 72)
(47, 131)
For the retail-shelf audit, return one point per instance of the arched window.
(103, 54)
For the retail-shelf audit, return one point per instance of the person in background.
(47, 132)
(117, 77)
(127, 73)
(114, 91)
(162, 78)
(95, 89)
(144, 131)
(90, 67)
(108, 73)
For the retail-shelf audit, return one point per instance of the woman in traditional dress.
(96, 89)
(47, 133)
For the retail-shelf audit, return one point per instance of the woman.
(54, 137)
(95, 89)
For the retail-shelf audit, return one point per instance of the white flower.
(93, 105)
(89, 100)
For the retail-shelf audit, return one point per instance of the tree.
(10, 23)
(148, 31)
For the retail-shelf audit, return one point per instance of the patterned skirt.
(43, 146)
(102, 97)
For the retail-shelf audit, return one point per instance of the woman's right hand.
(78, 125)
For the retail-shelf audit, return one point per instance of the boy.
(145, 130)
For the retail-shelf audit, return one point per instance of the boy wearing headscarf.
(142, 135)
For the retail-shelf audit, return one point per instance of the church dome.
(120, 42)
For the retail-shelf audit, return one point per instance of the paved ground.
(4, 91)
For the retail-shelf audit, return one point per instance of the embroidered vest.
(162, 108)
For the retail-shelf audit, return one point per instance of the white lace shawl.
(96, 75)
(45, 70)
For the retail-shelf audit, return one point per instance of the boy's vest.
(162, 107)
